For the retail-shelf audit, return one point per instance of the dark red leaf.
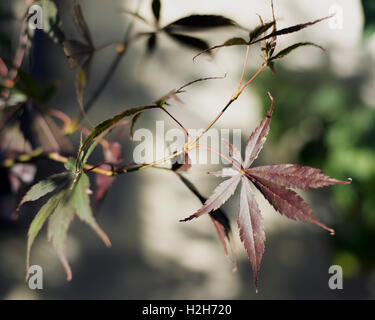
(294, 176)
(287, 202)
(220, 195)
(250, 223)
(112, 155)
(257, 138)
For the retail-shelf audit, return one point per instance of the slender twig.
(189, 145)
(178, 122)
(107, 77)
(252, 79)
(244, 67)
(221, 155)
(234, 98)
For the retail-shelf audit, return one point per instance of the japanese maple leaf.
(273, 182)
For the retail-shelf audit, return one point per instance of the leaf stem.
(181, 126)
(234, 98)
(244, 67)
(220, 154)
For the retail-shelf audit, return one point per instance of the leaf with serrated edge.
(45, 186)
(270, 181)
(81, 202)
(58, 225)
(220, 195)
(257, 139)
(251, 227)
(38, 222)
(294, 176)
(287, 202)
(103, 126)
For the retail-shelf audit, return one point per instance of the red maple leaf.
(273, 182)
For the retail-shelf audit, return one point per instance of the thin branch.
(221, 155)
(181, 126)
(102, 85)
(244, 67)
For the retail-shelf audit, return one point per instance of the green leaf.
(156, 5)
(258, 31)
(92, 147)
(81, 203)
(39, 221)
(105, 125)
(46, 186)
(58, 225)
(70, 164)
(289, 49)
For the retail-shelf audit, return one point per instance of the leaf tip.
(107, 242)
(193, 216)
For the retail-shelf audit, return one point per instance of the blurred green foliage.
(340, 140)
(369, 12)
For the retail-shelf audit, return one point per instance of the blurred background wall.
(324, 118)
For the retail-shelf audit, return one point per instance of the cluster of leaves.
(269, 40)
(70, 190)
(273, 182)
(177, 29)
(343, 146)
(71, 197)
